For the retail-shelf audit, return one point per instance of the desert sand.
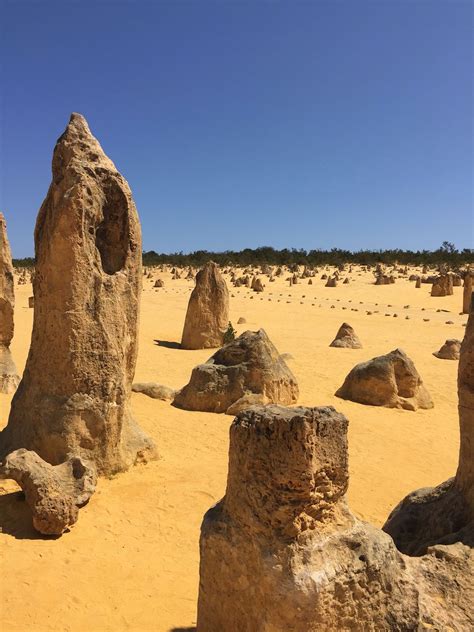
(131, 562)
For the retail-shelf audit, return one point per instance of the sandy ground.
(131, 562)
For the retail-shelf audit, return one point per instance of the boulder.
(53, 493)
(74, 398)
(390, 380)
(347, 338)
(208, 310)
(449, 351)
(249, 365)
(9, 378)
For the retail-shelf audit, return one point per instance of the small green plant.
(229, 334)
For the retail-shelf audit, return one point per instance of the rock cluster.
(53, 493)
(207, 316)
(9, 379)
(390, 380)
(74, 398)
(249, 366)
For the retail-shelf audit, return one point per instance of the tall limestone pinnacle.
(8, 376)
(207, 315)
(74, 397)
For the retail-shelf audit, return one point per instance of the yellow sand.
(131, 561)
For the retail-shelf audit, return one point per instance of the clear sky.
(346, 123)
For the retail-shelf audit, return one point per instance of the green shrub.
(229, 334)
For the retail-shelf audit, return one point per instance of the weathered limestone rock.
(75, 392)
(444, 514)
(54, 493)
(257, 284)
(159, 283)
(246, 401)
(390, 380)
(154, 390)
(443, 285)
(467, 291)
(346, 337)
(450, 350)
(250, 364)
(418, 283)
(9, 378)
(384, 279)
(282, 551)
(331, 282)
(208, 310)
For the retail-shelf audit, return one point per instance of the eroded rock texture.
(9, 379)
(207, 316)
(74, 395)
(347, 338)
(54, 493)
(390, 380)
(282, 551)
(444, 514)
(249, 365)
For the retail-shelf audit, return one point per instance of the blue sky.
(345, 123)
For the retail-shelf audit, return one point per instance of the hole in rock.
(112, 235)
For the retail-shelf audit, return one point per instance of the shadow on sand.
(170, 345)
(15, 518)
(193, 629)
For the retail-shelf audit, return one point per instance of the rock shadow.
(16, 520)
(169, 344)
